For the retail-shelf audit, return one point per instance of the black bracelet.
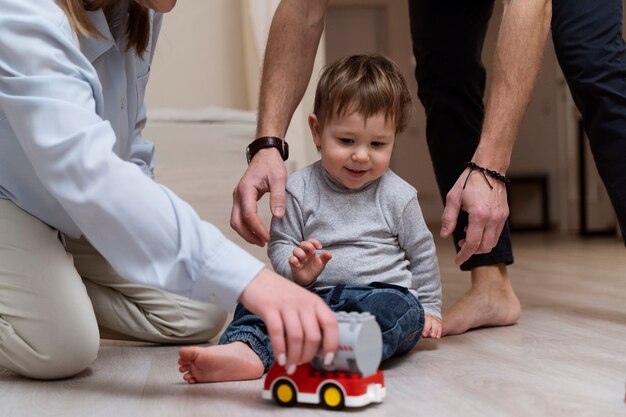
(485, 171)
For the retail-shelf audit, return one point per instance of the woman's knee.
(65, 364)
(59, 347)
(61, 359)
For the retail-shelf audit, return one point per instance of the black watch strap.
(267, 142)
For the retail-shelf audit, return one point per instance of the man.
(451, 80)
(294, 36)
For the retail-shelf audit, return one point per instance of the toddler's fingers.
(308, 247)
(295, 262)
(300, 254)
(435, 326)
(427, 326)
(316, 243)
(325, 257)
(435, 332)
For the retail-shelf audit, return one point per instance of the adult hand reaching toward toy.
(484, 199)
(306, 265)
(291, 312)
(266, 173)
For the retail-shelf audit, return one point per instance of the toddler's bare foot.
(232, 362)
(489, 302)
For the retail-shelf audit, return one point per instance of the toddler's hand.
(306, 265)
(432, 327)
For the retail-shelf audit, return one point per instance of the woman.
(85, 233)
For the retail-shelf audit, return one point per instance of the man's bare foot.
(489, 302)
(232, 362)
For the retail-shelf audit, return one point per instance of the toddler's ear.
(316, 129)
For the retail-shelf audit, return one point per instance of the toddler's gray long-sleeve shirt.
(376, 233)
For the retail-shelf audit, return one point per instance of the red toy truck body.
(352, 380)
(334, 390)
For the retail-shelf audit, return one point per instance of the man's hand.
(487, 209)
(266, 172)
(291, 312)
(517, 57)
(306, 265)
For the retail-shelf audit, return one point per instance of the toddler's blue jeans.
(398, 313)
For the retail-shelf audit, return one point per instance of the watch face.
(248, 154)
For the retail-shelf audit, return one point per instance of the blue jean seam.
(420, 313)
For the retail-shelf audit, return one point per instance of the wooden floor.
(566, 356)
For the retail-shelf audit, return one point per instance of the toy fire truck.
(352, 380)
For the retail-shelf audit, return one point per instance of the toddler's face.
(355, 150)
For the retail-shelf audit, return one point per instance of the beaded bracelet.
(485, 171)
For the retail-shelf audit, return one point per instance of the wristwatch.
(267, 142)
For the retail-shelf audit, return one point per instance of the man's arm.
(290, 53)
(517, 58)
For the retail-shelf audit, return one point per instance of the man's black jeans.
(448, 38)
(591, 52)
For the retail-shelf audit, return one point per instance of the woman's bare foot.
(232, 362)
(489, 302)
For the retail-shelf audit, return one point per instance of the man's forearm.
(517, 58)
(291, 47)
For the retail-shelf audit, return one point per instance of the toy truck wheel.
(331, 396)
(284, 393)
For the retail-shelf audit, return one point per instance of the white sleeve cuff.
(222, 279)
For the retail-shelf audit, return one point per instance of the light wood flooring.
(566, 356)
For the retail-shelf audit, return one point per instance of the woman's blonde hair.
(138, 27)
(367, 84)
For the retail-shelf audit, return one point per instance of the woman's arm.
(51, 96)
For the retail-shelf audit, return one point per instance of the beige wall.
(201, 61)
(204, 59)
(200, 57)
(210, 54)
(411, 158)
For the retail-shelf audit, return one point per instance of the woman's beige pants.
(54, 297)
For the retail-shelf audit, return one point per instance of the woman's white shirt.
(71, 154)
